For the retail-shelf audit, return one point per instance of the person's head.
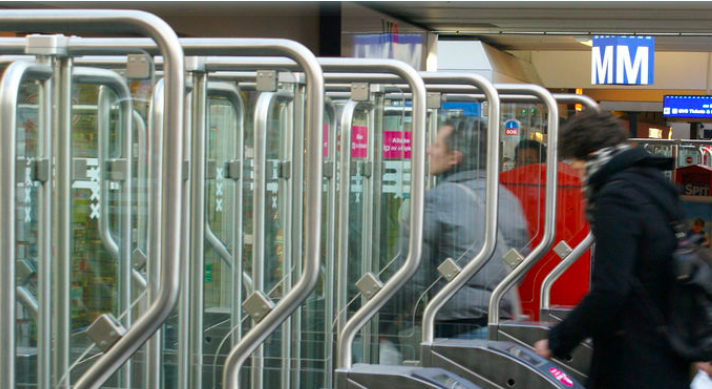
(586, 133)
(529, 151)
(460, 144)
(698, 225)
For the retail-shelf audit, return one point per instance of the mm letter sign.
(622, 60)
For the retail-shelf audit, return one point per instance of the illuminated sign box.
(697, 107)
(622, 60)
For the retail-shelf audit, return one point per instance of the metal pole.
(263, 108)
(44, 239)
(491, 199)
(412, 261)
(184, 330)
(330, 242)
(62, 118)
(304, 286)
(549, 205)
(232, 94)
(167, 41)
(342, 215)
(121, 253)
(141, 181)
(285, 200)
(367, 259)
(9, 89)
(197, 225)
(297, 216)
(555, 273)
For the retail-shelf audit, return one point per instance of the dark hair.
(531, 144)
(588, 132)
(469, 137)
(699, 222)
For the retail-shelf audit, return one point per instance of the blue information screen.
(687, 106)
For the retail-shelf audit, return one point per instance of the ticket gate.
(362, 376)
(526, 333)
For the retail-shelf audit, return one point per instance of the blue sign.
(468, 109)
(687, 107)
(511, 127)
(622, 60)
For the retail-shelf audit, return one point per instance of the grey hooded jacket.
(454, 228)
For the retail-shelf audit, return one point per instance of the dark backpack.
(689, 324)
(689, 320)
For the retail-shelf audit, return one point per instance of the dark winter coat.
(633, 239)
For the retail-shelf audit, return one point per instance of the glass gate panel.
(223, 257)
(26, 235)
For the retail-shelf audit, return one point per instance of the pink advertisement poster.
(326, 140)
(396, 144)
(359, 142)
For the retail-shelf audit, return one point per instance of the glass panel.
(26, 234)
(220, 249)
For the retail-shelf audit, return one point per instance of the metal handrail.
(263, 107)
(306, 60)
(232, 94)
(343, 210)
(330, 239)
(549, 202)
(167, 41)
(491, 197)
(412, 261)
(555, 273)
(10, 84)
(111, 80)
(585, 244)
(314, 106)
(28, 301)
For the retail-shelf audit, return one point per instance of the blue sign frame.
(683, 106)
(622, 60)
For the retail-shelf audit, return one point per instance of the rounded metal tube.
(555, 273)
(412, 261)
(167, 41)
(310, 274)
(491, 197)
(10, 84)
(583, 246)
(549, 202)
(343, 210)
(232, 94)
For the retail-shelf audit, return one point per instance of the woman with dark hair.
(627, 202)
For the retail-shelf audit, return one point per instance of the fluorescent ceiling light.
(587, 41)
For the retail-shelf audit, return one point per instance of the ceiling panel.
(553, 25)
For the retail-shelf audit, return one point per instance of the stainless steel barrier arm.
(550, 200)
(491, 199)
(587, 242)
(9, 90)
(342, 214)
(232, 94)
(111, 80)
(310, 275)
(412, 261)
(167, 41)
(555, 273)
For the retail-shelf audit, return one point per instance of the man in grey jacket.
(454, 228)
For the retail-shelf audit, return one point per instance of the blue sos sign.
(622, 60)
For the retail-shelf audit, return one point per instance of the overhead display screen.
(675, 106)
